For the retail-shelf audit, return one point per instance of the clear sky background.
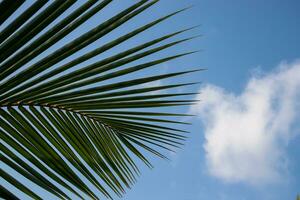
(241, 39)
(244, 144)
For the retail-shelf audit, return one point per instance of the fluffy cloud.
(246, 134)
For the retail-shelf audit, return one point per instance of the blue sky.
(243, 42)
(239, 39)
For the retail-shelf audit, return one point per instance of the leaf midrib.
(62, 108)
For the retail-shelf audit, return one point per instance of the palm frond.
(78, 129)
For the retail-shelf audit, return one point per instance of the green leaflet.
(7, 8)
(51, 36)
(81, 131)
(21, 19)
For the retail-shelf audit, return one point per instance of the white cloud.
(246, 134)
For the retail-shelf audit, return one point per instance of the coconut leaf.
(77, 129)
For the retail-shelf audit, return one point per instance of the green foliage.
(58, 125)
